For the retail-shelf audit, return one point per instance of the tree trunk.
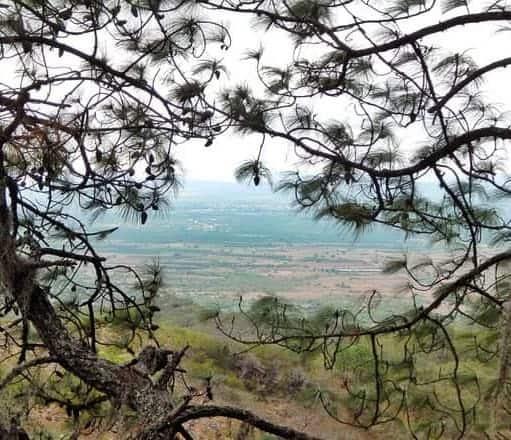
(125, 385)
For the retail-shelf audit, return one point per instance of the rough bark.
(125, 385)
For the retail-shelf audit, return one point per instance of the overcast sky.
(218, 162)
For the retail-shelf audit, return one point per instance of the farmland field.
(222, 241)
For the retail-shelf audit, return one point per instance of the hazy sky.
(228, 151)
(219, 161)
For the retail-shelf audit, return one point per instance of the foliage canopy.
(99, 95)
